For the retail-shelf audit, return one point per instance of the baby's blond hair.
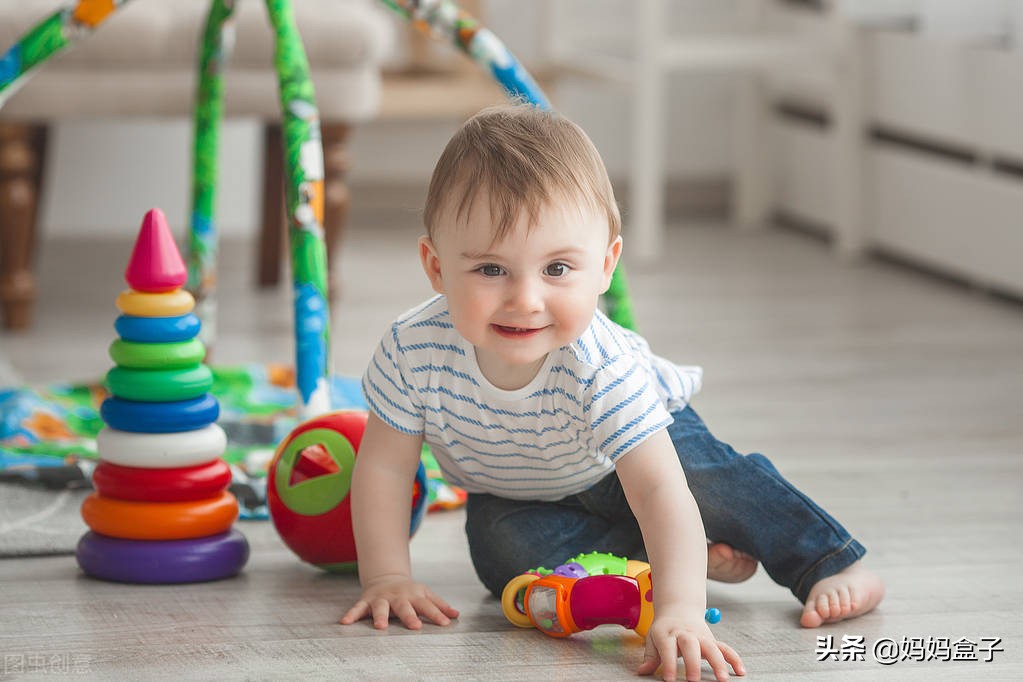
(521, 156)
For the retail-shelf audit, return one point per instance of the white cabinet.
(949, 216)
(942, 162)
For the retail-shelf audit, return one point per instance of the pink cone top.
(155, 265)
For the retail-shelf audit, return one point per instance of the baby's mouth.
(516, 332)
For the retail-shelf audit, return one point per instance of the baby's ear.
(431, 263)
(614, 252)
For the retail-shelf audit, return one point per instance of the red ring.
(181, 484)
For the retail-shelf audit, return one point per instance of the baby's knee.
(764, 463)
(726, 476)
(498, 559)
(502, 547)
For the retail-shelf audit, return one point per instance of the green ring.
(175, 355)
(318, 495)
(159, 385)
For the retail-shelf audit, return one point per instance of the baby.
(569, 434)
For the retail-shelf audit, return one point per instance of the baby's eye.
(490, 270)
(556, 270)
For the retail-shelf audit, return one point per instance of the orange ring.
(561, 587)
(159, 520)
(646, 603)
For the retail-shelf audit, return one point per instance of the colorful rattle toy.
(308, 484)
(586, 591)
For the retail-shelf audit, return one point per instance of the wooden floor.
(894, 399)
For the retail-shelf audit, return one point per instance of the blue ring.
(162, 562)
(157, 329)
(160, 417)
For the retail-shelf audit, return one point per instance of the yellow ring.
(169, 304)
(509, 597)
(633, 567)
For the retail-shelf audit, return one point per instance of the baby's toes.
(846, 603)
(810, 617)
(827, 605)
(835, 605)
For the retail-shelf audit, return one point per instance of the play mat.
(48, 434)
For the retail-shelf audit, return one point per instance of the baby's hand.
(690, 638)
(403, 597)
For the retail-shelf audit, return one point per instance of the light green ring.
(318, 495)
(173, 355)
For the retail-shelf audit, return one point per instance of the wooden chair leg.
(336, 197)
(271, 234)
(21, 147)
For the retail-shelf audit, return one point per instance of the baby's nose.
(525, 295)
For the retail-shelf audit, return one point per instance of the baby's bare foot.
(848, 594)
(728, 565)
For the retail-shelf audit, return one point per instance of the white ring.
(161, 450)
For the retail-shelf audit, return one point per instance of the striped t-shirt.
(591, 402)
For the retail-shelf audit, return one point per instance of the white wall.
(104, 175)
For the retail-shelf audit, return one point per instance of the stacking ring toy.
(161, 485)
(157, 329)
(159, 520)
(140, 304)
(163, 562)
(173, 355)
(181, 415)
(160, 385)
(161, 450)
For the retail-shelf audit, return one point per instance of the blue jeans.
(743, 500)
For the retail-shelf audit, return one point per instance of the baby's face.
(533, 292)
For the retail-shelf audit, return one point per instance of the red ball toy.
(308, 484)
